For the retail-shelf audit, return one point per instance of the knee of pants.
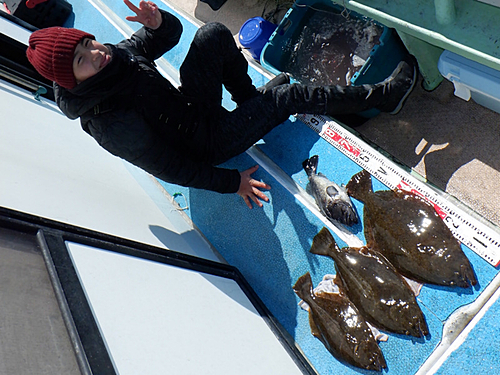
(214, 37)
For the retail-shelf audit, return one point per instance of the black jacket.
(133, 112)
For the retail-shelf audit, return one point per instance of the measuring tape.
(482, 239)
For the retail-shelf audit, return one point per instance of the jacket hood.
(115, 78)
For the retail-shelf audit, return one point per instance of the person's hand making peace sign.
(147, 14)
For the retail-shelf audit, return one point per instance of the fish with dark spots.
(331, 198)
(372, 283)
(337, 323)
(407, 230)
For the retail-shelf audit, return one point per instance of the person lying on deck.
(181, 134)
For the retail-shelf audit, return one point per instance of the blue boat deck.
(270, 246)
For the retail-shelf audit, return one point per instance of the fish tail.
(323, 242)
(360, 185)
(310, 165)
(304, 287)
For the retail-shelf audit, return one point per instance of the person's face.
(90, 57)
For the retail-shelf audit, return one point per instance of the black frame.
(90, 350)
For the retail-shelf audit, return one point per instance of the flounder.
(331, 198)
(408, 231)
(372, 283)
(337, 323)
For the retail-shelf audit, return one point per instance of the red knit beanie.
(51, 52)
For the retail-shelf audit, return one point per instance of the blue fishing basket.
(382, 60)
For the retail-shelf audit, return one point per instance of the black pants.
(214, 60)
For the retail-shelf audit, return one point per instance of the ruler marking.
(484, 242)
(480, 242)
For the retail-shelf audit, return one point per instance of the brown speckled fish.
(379, 292)
(407, 230)
(336, 322)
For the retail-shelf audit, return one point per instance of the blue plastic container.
(254, 34)
(383, 58)
(471, 79)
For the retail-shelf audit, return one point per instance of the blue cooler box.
(383, 59)
(471, 79)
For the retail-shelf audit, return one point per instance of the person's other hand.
(147, 14)
(249, 188)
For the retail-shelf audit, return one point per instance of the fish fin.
(340, 282)
(322, 243)
(360, 185)
(310, 165)
(314, 328)
(369, 238)
(304, 287)
(414, 285)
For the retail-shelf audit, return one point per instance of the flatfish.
(371, 282)
(331, 198)
(337, 323)
(409, 232)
